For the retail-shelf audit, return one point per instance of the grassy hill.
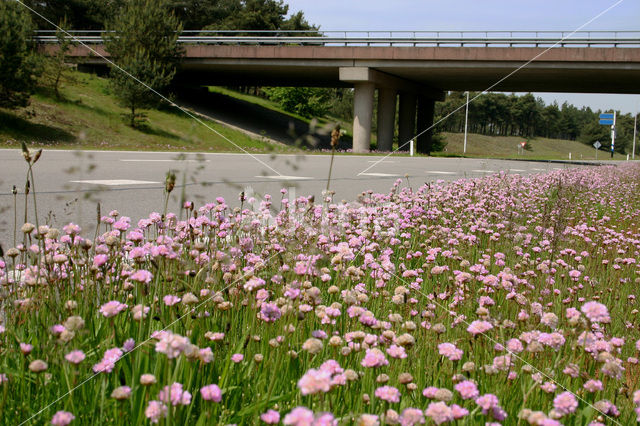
(88, 117)
(539, 148)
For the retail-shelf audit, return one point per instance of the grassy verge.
(88, 117)
(507, 147)
(377, 312)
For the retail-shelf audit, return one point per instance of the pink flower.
(487, 401)
(99, 260)
(439, 412)
(109, 359)
(596, 312)
(175, 395)
(374, 358)
(62, 418)
(515, 346)
(171, 300)
(325, 419)
(237, 358)
(269, 312)
(411, 416)
(299, 416)
(430, 392)
(128, 345)
(271, 417)
(565, 403)
(315, 381)
(75, 357)
(170, 344)
(26, 348)
(141, 276)
(450, 351)
(467, 389)
(155, 411)
(112, 308)
(211, 393)
(396, 351)
(458, 412)
(593, 386)
(479, 327)
(388, 393)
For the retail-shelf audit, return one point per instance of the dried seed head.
(25, 153)
(37, 156)
(27, 228)
(170, 182)
(335, 136)
(38, 366)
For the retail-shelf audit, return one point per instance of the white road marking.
(517, 170)
(540, 170)
(380, 161)
(278, 177)
(378, 174)
(483, 171)
(133, 160)
(115, 182)
(437, 172)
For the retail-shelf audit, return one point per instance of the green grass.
(522, 253)
(507, 147)
(88, 117)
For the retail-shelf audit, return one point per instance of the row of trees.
(141, 37)
(192, 14)
(498, 114)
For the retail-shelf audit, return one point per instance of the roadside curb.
(579, 162)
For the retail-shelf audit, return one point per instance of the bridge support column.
(386, 118)
(362, 114)
(426, 108)
(406, 120)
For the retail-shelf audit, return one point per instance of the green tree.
(144, 44)
(199, 14)
(19, 63)
(56, 64)
(305, 101)
(79, 14)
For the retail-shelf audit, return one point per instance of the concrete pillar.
(426, 109)
(386, 118)
(362, 114)
(406, 119)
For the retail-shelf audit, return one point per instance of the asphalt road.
(69, 184)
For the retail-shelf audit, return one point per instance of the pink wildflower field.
(501, 300)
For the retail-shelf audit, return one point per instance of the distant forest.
(498, 114)
(193, 14)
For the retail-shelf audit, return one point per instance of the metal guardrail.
(388, 38)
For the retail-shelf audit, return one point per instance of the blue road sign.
(606, 121)
(606, 116)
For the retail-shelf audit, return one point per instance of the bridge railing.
(388, 38)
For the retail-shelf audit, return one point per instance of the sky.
(484, 15)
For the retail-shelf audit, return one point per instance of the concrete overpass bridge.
(414, 69)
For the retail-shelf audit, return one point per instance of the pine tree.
(19, 64)
(145, 45)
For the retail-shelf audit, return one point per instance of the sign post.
(597, 146)
(466, 119)
(635, 127)
(609, 119)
